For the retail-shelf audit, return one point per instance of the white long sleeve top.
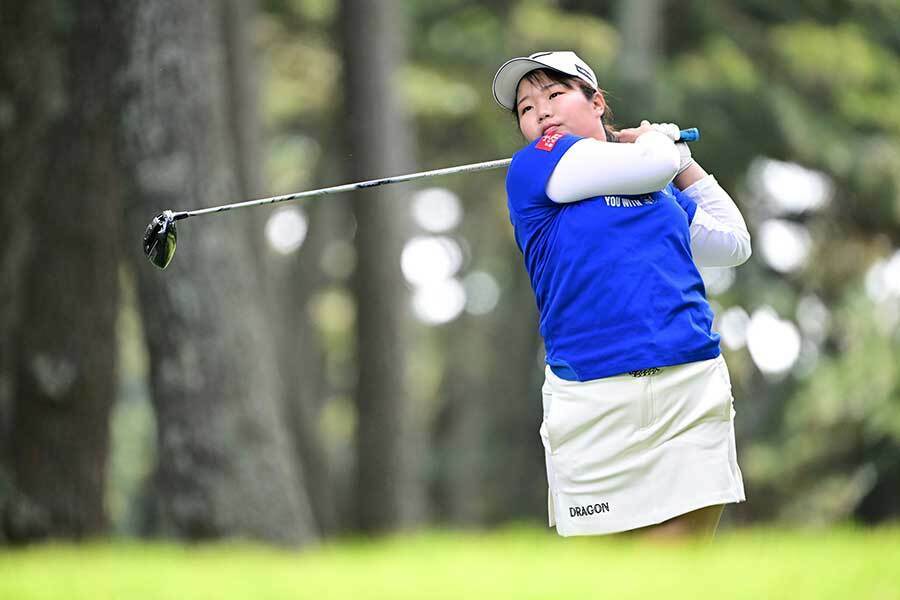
(590, 168)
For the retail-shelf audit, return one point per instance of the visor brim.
(506, 81)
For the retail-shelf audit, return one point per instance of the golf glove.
(684, 151)
(673, 132)
(670, 130)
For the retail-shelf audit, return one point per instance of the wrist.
(691, 175)
(686, 160)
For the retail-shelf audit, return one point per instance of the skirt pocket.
(725, 377)
(547, 403)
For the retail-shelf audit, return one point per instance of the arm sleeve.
(719, 236)
(592, 168)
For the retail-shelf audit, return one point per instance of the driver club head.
(160, 239)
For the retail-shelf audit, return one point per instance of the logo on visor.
(586, 74)
(548, 141)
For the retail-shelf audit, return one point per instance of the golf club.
(160, 238)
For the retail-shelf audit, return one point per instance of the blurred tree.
(27, 70)
(814, 83)
(640, 24)
(300, 71)
(809, 82)
(226, 464)
(294, 280)
(389, 491)
(753, 77)
(288, 280)
(60, 263)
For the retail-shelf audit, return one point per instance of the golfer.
(638, 419)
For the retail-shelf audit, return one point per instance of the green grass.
(521, 563)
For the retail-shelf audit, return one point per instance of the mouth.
(550, 130)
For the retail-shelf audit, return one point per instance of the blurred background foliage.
(816, 86)
(799, 107)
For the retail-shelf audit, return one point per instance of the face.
(549, 107)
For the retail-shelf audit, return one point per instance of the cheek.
(581, 117)
(578, 112)
(528, 128)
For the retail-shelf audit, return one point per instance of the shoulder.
(548, 146)
(535, 162)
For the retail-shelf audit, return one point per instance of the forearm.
(689, 176)
(592, 168)
(719, 235)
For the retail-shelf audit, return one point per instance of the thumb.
(645, 122)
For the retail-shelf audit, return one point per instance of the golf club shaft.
(686, 135)
(494, 164)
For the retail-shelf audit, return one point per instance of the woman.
(638, 420)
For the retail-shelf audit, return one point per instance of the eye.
(525, 109)
(555, 94)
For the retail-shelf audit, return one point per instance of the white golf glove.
(670, 130)
(684, 151)
(673, 132)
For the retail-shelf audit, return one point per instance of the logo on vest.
(590, 509)
(626, 202)
(548, 141)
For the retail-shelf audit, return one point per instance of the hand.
(670, 130)
(673, 132)
(628, 136)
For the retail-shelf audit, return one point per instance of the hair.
(574, 83)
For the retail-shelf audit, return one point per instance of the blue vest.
(613, 276)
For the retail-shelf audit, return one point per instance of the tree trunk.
(462, 432)
(640, 23)
(518, 482)
(490, 457)
(387, 490)
(288, 280)
(60, 264)
(28, 73)
(295, 278)
(226, 465)
(243, 114)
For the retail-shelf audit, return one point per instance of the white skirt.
(625, 452)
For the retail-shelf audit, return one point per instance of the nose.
(544, 112)
(543, 109)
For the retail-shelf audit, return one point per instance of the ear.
(599, 104)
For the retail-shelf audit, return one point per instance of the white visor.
(507, 79)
